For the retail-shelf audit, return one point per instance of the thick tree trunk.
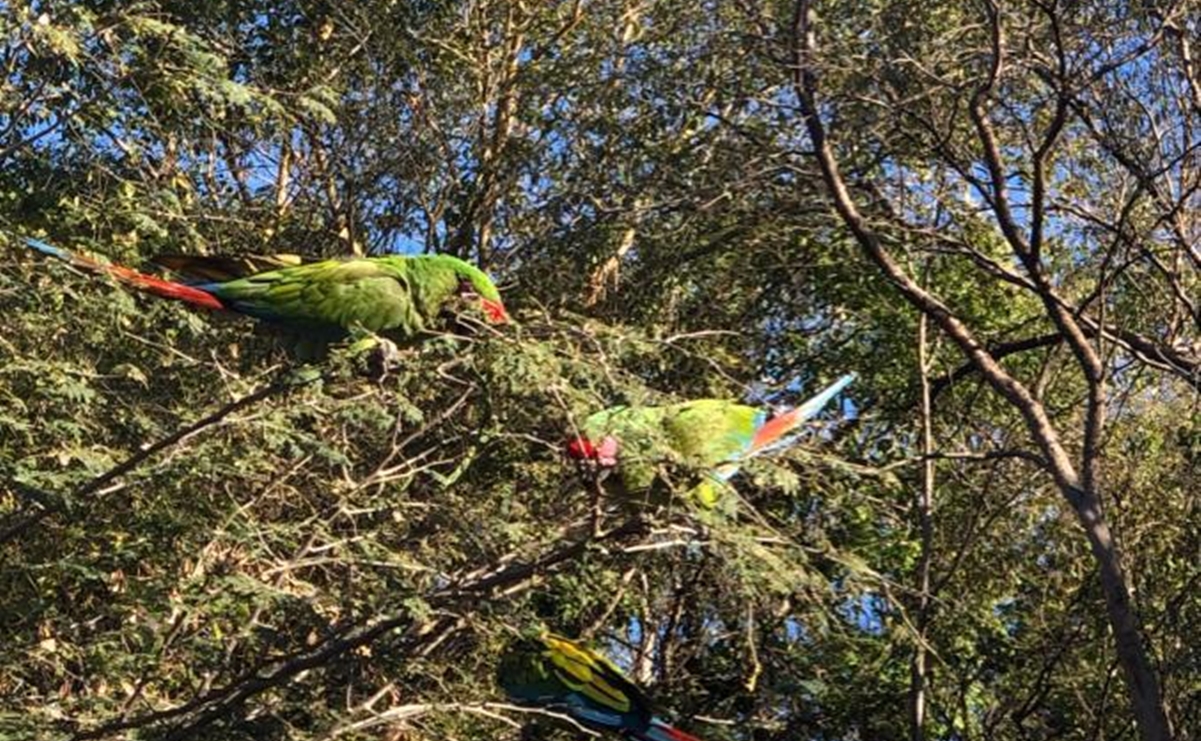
(1142, 683)
(1133, 655)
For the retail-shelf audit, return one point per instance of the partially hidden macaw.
(397, 296)
(710, 435)
(564, 676)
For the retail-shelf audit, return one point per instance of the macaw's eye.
(466, 289)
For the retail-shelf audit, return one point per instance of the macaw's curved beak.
(593, 462)
(583, 450)
(495, 311)
(606, 454)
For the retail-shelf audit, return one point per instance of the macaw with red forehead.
(712, 435)
(397, 296)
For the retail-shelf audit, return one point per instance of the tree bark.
(1080, 492)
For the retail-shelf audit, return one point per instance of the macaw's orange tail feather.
(132, 278)
(773, 432)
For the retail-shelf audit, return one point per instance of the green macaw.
(710, 435)
(565, 676)
(395, 296)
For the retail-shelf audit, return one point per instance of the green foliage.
(346, 556)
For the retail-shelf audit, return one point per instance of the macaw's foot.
(370, 355)
(381, 358)
(377, 356)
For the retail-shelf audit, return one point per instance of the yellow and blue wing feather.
(561, 674)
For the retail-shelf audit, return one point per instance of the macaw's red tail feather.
(660, 731)
(164, 288)
(132, 278)
(774, 430)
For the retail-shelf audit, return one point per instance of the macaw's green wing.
(569, 677)
(709, 432)
(223, 268)
(371, 294)
(525, 675)
(594, 677)
(553, 671)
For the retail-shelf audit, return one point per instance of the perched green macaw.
(565, 676)
(710, 435)
(394, 296)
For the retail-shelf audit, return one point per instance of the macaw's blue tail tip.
(772, 435)
(45, 249)
(828, 393)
